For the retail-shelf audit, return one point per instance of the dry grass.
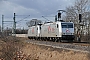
(12, 48)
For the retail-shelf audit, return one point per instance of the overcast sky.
(34, 8)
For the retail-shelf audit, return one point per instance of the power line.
(23, 18)
(14, 24)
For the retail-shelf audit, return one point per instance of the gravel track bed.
(68, 46)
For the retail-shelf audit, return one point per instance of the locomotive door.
(57, 30)
(36, 31)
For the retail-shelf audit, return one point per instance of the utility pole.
(14, 25)
(79, 28)
(2, 22)
(2, 28)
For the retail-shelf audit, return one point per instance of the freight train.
(53, 31)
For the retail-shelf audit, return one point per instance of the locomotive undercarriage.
(54, 39)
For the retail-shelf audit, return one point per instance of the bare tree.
(79, 7)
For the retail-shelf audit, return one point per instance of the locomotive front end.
(67, 30)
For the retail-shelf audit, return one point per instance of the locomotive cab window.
(67, 25)
(57, 25)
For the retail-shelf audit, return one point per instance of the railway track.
(76, 46)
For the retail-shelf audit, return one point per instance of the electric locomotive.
(53, 31)
(58, 31)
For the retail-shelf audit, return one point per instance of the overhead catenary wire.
(46, 18)
(23, 18)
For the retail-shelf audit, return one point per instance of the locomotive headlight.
(71, 33)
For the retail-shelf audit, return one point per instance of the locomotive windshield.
(67, 25)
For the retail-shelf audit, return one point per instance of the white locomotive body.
(34, 32)
(51, 30)
(55, 31)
